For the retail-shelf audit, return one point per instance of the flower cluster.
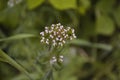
(54, 59)
(57, 35)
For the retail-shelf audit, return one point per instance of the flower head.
(57, 35)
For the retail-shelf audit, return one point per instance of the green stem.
(5, 58)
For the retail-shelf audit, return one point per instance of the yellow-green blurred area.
(94, 55)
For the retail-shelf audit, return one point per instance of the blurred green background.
(94, 55)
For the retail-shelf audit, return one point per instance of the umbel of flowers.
(57, 35)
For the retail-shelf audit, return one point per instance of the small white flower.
(61, 27)
(53, 60)
(65, 30)
(68, 28)
(61, 60)
(73, 31)
(56, 27)
(51, 36)
(58, 24)
(71, 38)
(46, 27)
(61, 56)
(53, 25)
(53, 41)
(42, 40)
(46, 31)
(61, 44)
(74, 36)
(54, 33)
(47, 39)
(67, 35)
(53, 57)
(59, 36)
(54, 44)
(42, 33)
(63, 34)
(63, 41)
(57, 39)
(50, 31)
(47, 42)
(57, 32)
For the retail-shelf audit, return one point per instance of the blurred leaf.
(5, 58)
(84, 5)
(116, 14)
(104, 25)
(34, 3)
(74, 20)
(10, 16)
(80, 42)
(3, 4)
(2, 16)
(105, 6)
(89, 44)
(87, 29)
(18, 36)
(102, 46)
(64, 4)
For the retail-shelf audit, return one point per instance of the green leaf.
(89, 44)
(81, 42)
(84, 5)
(116, 15)
(10, 17)
(102, 46)
(18, 36)
(105, 6)
(64, 4)
(104, 25)
(34, 3)
(5, 58)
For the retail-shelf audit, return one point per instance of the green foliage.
(6, 58)
(63, 4)
(33, 4)
(3, 4)
(105, 6)
(89, 44)
(10, 17)
(104, 25)
(94, 55)
(84, 5)
(19, 36)
(116, 14)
